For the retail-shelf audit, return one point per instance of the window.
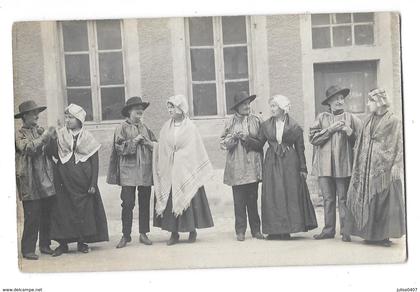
(342, 29)
(94, 67)
(218, 53)
(358, 76)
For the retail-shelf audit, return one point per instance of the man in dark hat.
(131, 168)
(243, 169)
(333, 135)
(34, 179)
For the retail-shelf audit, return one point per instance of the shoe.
(285, 236)
(62, 248)
(386, 243)
(46, 250)
(346, 238)
(123, 242)
(30, 256)
(192, 237)
(144, 239)
(82, 247)
(240, 237)
(323, 236)
(273, 237)
(173, 239)
(258, 235)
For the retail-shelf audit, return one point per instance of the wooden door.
(359, 77)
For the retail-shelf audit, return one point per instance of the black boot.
(193, 236)
(62, 248)
(123, 241)
(82, 247)
(173, 239)
(144, 239)
(46, 250)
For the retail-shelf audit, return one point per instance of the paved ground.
(215, 247)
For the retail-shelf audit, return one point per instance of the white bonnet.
(180, 102)
(77, 111)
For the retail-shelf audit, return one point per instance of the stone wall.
(28, 66)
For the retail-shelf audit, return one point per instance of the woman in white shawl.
(180, 168)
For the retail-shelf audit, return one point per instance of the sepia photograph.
(209, 142)
(209, 146)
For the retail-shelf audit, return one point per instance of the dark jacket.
(34, 168)
(292, 138)
(243, 158)
(130, 162)
(333, 152)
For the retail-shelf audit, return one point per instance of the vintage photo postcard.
(208, 142)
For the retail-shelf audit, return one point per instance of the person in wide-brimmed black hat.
(34, 178)
(131, 167)
(243, 170)
(333, 135)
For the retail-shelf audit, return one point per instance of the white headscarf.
(86, 144)
(77, 111)
(282, 101)
(379, 96)
(180, 102)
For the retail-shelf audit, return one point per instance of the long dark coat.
(285, 202)
(34, 167)
(76, 214)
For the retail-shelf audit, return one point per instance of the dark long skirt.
(77, 215)
(386, 216)
(286, 206)
(196, 216)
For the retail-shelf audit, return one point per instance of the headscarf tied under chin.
(180, 103)
(379, 96)
(282, 101)
(85, 146)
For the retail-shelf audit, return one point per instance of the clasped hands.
(49, 133)
(240, 136)
(140, 139)
(340, 126)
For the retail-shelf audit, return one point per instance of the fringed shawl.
(86, 145)
(376, 152)
(180, 163)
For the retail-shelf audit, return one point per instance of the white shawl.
(86, 145)
(180, 164)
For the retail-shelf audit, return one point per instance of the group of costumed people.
(285, 203)
(177, 166)
(57, 175)
(362, 164)
(61, 200)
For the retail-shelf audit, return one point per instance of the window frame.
(220, 79)
(352, 24)
(95, 86)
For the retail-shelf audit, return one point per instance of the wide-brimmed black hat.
(133, 101)
(28, 106)
(241, 97)
(334, 90)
